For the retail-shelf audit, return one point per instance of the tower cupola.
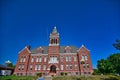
(54, 38)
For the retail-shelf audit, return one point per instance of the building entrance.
(53, 69)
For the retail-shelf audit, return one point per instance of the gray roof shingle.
(62, 49)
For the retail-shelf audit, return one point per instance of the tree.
(9, 64)
(115, 61)
(110, 65)
(104, 66)
(117, 44)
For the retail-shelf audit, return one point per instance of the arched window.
(51, 41)
(56, 41)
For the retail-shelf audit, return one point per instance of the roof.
(5, 67)
(62, 49)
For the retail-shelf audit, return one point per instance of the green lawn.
(93, 77)
(18, 77)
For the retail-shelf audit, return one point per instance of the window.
(21, 59)
(19, 67)
(40, 59)
(41, 51)
(45, 59)
(32, 59)
(70, 58)
(37, 67)
(83, 65)
(66, 58)
(44, 67)
(89, 72)
(67, 67)
(24, 59)
(31, 67)
(83, 57)
(37, 59)
(53, 59)
(23, 67)
(61, 67)
(70, 66)
(87, 65)
(76, 73)
(85, 72)
(67, 51)
(76, 67)
(75, 58)
(86, 58)
(61, 58)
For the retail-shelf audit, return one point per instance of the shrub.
(66, 73)
(39, 74)
(62, 73)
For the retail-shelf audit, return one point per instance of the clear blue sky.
(94, 23)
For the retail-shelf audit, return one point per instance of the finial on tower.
(54, 30)
(54, 27)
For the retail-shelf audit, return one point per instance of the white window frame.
(44, 67)
(62, 66)
(67, 58)
(76, 67)
(45, 59)
(75, 58)
(32, 59)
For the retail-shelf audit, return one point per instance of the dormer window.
(67, 49)
(40, 50)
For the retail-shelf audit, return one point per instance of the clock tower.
(54, 42)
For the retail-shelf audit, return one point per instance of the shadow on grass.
(111, 78)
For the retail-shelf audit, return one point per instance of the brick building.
(54, 59)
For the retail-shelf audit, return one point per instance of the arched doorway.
(53, 69)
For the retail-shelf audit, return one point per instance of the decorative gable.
(68, 49)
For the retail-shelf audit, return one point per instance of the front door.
(53, 69)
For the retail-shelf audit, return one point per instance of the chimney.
(28, 46)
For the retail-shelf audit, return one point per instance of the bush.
(66, 73)
(62, 73)
(39, 74)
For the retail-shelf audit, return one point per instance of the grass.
(12, 77)
(93, 77)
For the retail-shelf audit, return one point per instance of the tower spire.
(54, 30)
(54, 37)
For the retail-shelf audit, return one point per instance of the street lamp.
(83, 62)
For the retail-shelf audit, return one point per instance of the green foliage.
(95, 72)
(117, 44)
(13, 77)
(62, 73)
(66, 73)
(9, 65)
(39, 74)
(114, 59)
(110, 65)
(93, 77)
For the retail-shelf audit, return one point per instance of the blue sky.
(94, 23)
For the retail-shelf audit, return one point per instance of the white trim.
(23, 49)
(82, 47)
(53, 44)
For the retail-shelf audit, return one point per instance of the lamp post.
(83, 62)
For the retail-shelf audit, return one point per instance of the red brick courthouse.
(54, 59)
